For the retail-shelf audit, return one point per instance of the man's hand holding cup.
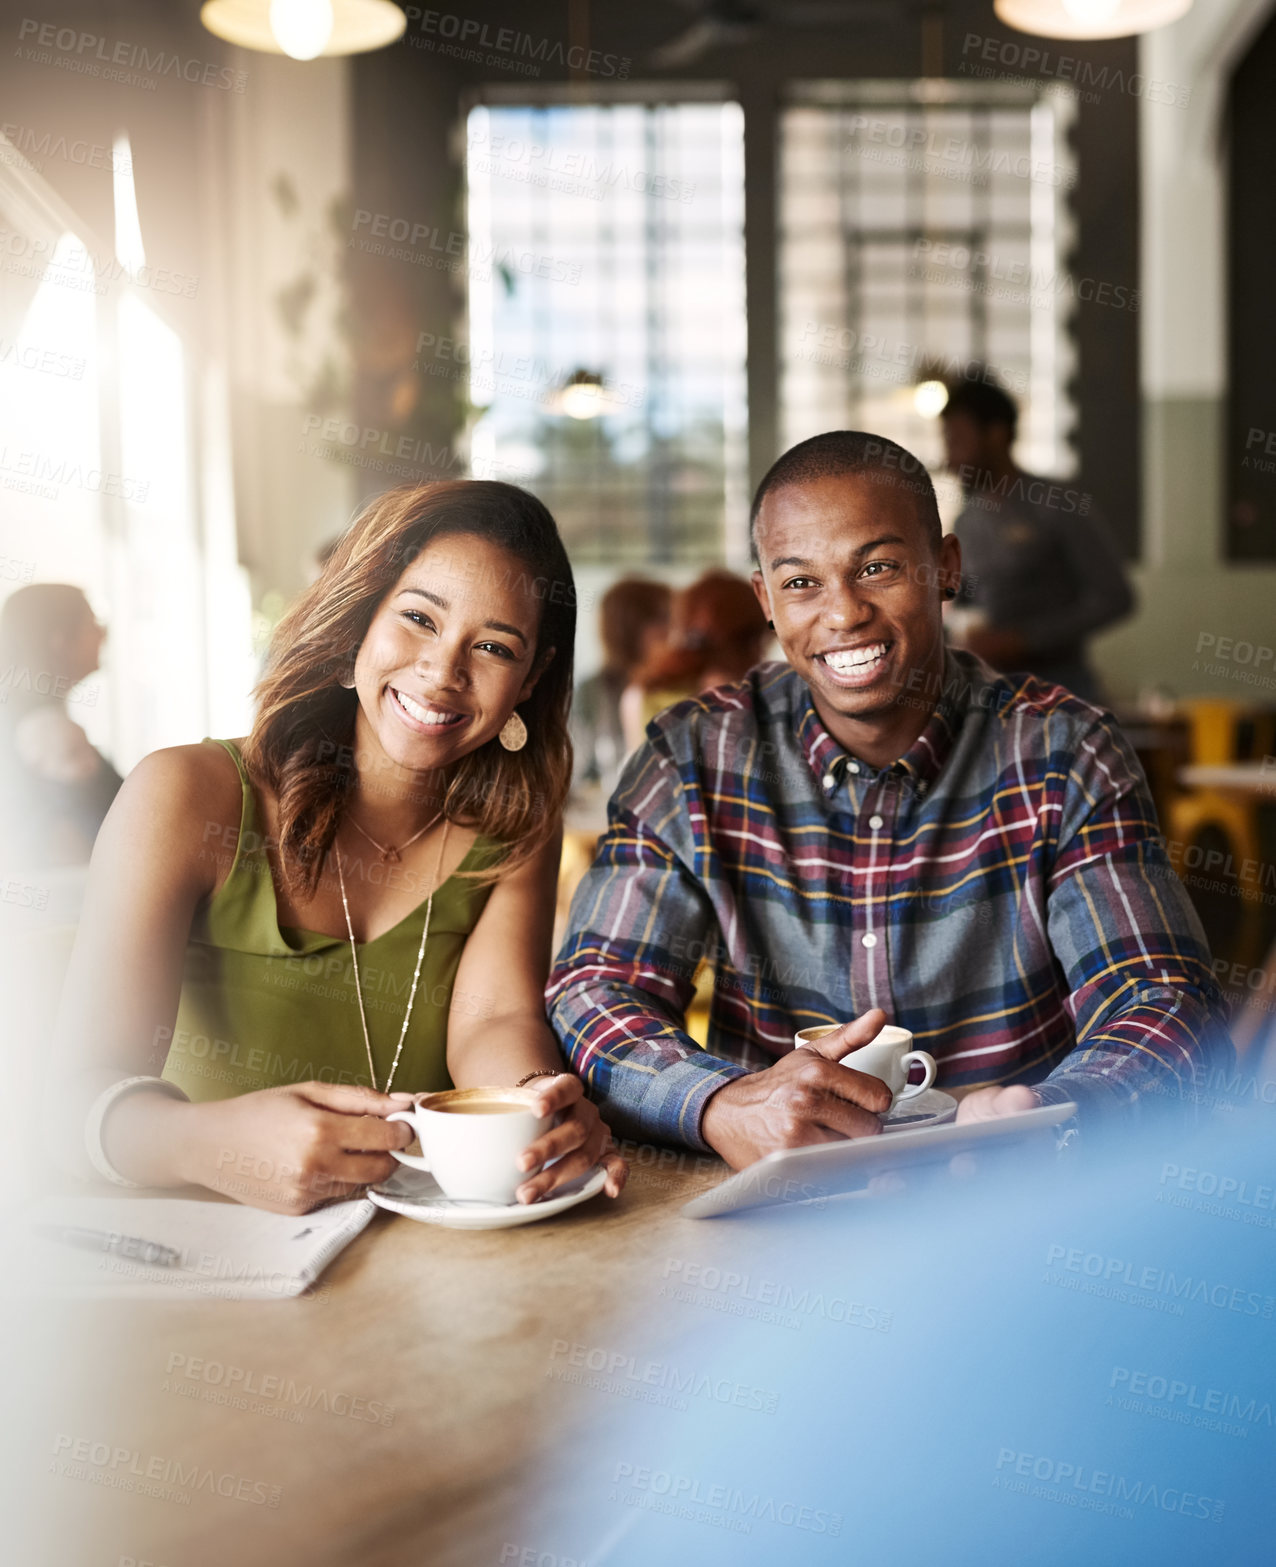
(807, 1097)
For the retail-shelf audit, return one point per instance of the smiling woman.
(457, 601)
(356, 901)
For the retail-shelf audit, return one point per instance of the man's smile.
(856, 665)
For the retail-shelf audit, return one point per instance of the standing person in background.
(633, 618)
(1039, 572)
(55, 789)
(717, 632)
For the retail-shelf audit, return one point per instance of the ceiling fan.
(721, 24)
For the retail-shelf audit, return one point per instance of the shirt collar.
(921, 762)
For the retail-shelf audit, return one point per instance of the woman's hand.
(580, 1137)
(290, 1149)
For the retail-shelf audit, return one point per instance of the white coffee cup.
(888, 1056)
(471, 1139)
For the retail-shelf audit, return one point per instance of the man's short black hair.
(984, 401)
(847, 454)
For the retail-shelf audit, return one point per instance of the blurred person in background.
(717, 632)
(1040, 574)
(55, 788)
(633, 618)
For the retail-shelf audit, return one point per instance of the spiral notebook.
(167, 1248)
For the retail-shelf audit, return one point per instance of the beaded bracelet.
(544, 1071)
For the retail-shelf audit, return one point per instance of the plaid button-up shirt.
(1002, 890)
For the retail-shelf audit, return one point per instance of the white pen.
(108, 1240)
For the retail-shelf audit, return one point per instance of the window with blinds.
(606, 321)
(924, 232)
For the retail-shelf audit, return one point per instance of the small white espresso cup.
(887, 1056)
(471, 1139)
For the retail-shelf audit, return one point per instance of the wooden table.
(452, 1337)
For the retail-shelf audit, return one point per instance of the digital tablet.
(825, 1169)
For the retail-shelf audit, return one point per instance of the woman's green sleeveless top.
(263, 1004)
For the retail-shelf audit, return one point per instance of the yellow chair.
(1214, 739)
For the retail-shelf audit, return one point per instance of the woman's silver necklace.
(416, 973)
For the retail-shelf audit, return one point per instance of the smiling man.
(880, 830)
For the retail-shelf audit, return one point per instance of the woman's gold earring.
(513, 735)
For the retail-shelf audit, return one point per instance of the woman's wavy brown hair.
(301, 744)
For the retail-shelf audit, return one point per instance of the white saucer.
(416, 1195)
(931, 1108)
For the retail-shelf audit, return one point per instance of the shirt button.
(868, 939)
(875, 822)
(852, 767)
(829, 780)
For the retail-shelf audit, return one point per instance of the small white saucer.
(416, 1195)
(931, 1108)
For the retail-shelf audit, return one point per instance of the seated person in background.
(55, 789)
(356, 901)
(632, 619)
(1040, 572)
(885, 830)
(716, 632)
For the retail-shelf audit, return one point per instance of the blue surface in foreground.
(1049, 1359)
